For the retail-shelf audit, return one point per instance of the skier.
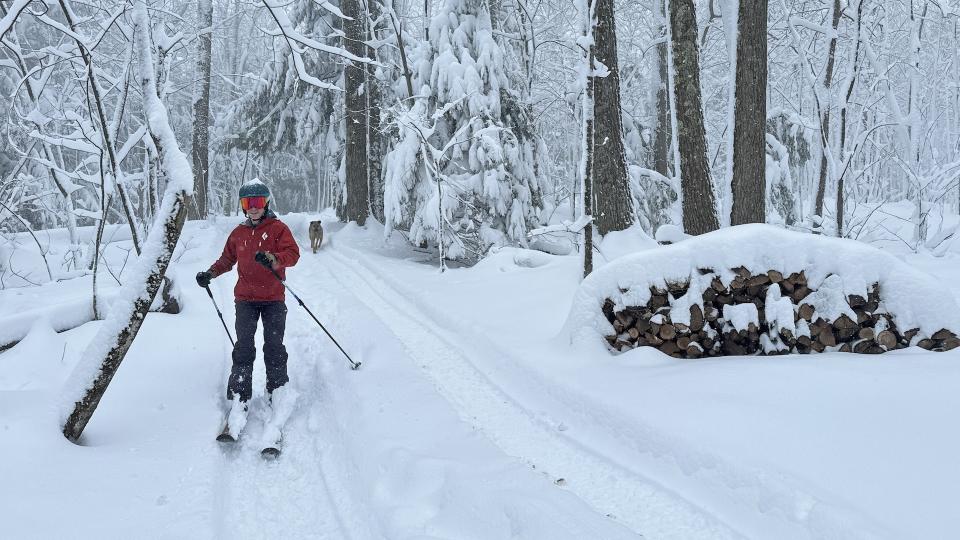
(259, 241)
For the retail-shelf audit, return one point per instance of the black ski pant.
(274, 317)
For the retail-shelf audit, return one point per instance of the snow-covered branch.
(573, 227)
(296, 41)
(14, 11)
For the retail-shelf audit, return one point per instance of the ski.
(273, 450)
(234, 422)
(282, 403)
(225, 435)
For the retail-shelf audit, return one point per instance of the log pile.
(721, 323)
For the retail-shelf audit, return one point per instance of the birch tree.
(100, 361)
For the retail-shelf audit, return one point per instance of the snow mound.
(670, 234)
(619, 244)
(833, 266)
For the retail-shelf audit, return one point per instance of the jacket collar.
(267, 216)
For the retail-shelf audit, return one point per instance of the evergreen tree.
(285, 123)
(461, 170)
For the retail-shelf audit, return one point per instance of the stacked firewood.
(707, 332)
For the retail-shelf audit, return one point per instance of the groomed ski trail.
(606, 485)
(423, 472)
(752, 503)
(304, 493)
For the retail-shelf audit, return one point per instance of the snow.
(835, 268)
(469, 419)
(13, 11)
(779, 314)
(741, 316)
(179, 185)
(671, 234)
(829, 301)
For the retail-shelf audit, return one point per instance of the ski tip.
(270, 453)
(226, 438)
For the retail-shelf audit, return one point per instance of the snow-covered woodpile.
(758, 289)
(766, 313)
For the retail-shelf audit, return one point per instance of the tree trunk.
(843, 121)
(355, 103)
(614, 211)
(201, 113)
(750, 116)
(587, 143)
(375, 141)
(661, 140)
(123, 325)
(427, 16)
(699, 206)
(825, 117)
(587, 169)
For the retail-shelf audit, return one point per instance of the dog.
(316, 235)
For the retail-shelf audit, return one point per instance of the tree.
(46, 152)
(825, 116)
(201, 112)
(750, 116)
(96, 368)
(699, 206)
(376, 142)
(107, 135)
(357, 174)
(613, 210)
(587, 152)
(460, 171)
(288, 125)
(662, 134)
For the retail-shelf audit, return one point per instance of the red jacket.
(256, 283)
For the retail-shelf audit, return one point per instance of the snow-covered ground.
(471, 417)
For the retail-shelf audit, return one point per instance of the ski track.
(311, 490)
(605, 485)
(304, 493)
(623, 445)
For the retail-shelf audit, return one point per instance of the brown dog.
(316, 235)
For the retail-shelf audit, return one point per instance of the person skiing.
(260, 241)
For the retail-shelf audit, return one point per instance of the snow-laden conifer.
(460, 172)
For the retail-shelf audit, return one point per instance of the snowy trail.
(673, 483)
(398, 447)
(376, 453)
(608, 486)
(297, 496)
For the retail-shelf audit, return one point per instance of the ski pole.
(216, 307)
(353, 365)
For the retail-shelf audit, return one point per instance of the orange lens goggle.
(253, 202)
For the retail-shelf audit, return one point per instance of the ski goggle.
(253, 202)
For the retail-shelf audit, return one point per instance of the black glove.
(266, 258)
(203, 278)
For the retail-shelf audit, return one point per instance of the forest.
(467, 124)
